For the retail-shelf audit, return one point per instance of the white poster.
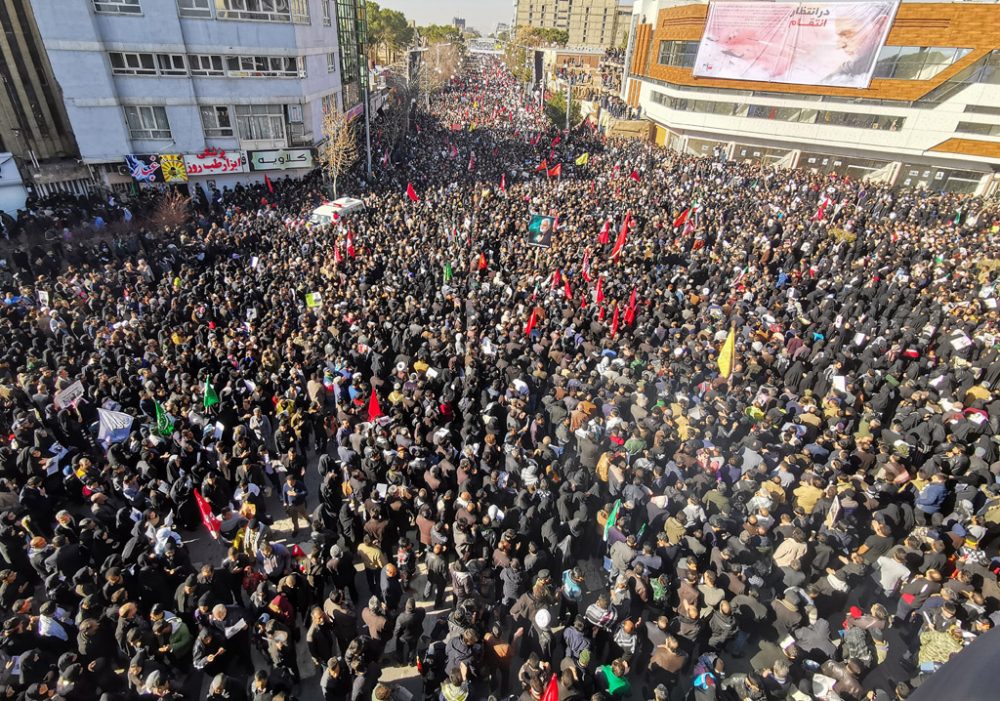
(807, 43)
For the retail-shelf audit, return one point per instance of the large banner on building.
(144, 168)
(809, 43)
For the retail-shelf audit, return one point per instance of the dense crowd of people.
(515, 467)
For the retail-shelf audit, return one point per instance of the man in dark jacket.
(321, 638)
(409, 628)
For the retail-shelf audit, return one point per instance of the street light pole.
(569, 99)
(362, 48)
(368, 126)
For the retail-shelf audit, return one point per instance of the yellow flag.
(583, 160)
(472, 127)
(727, 354)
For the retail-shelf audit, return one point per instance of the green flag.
(612, 517)
(164, 424)
(447, 272)
(211, 396)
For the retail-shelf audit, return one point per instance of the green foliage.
(518, 46)
(440, 34)
(555, 110)
(559, 37)
(388, 30)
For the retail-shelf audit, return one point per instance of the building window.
(678, 53)
(801, 115)
(117, 7)
(195, 8)
(978, 128)
(171, 64)
(329, 103)
(123, 63)
(264, 67)
(260, 122)
(132, 64)
(915, 62)
(206, 65)
(331, 62)
(982, 109)
(990, 71)
(264, 10)
(147, 122)
(216, 121)
(327, 17)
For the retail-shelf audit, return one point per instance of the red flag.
(472, 160)
(503, 182)
(566, 290)
(630, 312)
(600, 289)
(555, 171)
(551, 690)
(411, 193)
(270, 185)
(482, 261)
(556, 278)
(600, 317)
(385, 159)
(620, 243)
(821, 211)
(210, 521)
(337, 258)
(604, 236)
(350, 244)
(530, 326)
(453, 152)
(555, 141)
(682, 218)
(634, 175)
(614, 322)
(586, 265)
(374, 410)
(544, 165)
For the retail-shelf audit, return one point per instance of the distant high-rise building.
(588, 22)
(459, 23)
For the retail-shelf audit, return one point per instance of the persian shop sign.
(283, 159)
(214, 161)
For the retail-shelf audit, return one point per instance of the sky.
(482, 15)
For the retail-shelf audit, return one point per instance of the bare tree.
(172, 211)
(340, 146)
(441, 62)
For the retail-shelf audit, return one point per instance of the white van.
(330, 212)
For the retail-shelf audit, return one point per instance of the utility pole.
(362, 48)
(569, 99)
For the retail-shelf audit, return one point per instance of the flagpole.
(732, 356)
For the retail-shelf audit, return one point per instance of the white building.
(210, 91)
(930, 115)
